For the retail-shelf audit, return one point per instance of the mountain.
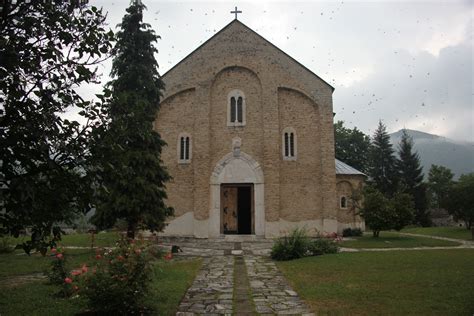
(438, 150)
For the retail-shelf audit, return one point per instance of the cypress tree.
(131, 177)
(382, 169)
(411, 178)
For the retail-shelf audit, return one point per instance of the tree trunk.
(131, 230)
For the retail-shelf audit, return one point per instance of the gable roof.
(343, 168)
(260, 36)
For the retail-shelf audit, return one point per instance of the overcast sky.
(409, 63)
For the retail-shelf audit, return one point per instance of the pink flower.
(98, 257)
(53, 250)
(59, 256)
(68, 280)
(76, 272)
(169, 256)
(84, 268)
(120, 258)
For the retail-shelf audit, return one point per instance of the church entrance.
(237, 213)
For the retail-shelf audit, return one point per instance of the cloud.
(408, 63)
(423, 91)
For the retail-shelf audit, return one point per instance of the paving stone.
(214, 280)
(275, 296)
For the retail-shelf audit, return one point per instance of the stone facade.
(277, 94)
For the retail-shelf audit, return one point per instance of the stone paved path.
(461, 241)
(212, 291)
(270, 291)
(259, 288)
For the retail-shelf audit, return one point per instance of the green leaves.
(127, 151)
(45, 56)
(352, 146)
(383, 213)
(382, 168)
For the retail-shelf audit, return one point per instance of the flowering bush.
(59, 273)
(118, 281)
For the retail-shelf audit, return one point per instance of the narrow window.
(186, 156)
(343, 202)
(184, 149)
(239, 110)
(181, 151)
(292, 144)
(232, 109)
(236, 108)
(289, 144)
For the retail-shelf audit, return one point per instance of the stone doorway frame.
(237, 167)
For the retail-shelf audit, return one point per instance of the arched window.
(236, 108)
(289, 144)
(184, 148)
(343, 203)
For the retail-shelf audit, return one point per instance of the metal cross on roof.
(235, 12)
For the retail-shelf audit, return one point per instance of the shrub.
(6, 244)
(118, 282)
(292, 246)
(59, 274)
(352, 232)
(322, 246)
(297, 245)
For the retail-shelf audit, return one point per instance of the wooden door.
(229, 209)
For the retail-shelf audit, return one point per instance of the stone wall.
(349, 186)
(279, 93)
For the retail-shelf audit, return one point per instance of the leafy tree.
(411, 178)
(352, 146)
(131, 178)
(382, 169)
(440, 180)
(459, 200)
(384, 213)
(375, 211)
(47, 50)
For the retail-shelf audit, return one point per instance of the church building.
(251, 143)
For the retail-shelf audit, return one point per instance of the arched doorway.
(237, 186)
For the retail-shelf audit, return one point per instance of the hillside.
(434, 149)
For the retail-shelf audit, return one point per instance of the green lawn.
(449, 232)
(170, 282)
(429, 282)
(102, 239)
(394, 240)
(18, 263)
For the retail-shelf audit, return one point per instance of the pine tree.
(382, 169)
(411, 178)
(131, 173)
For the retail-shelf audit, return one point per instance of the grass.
(429, 282)
(449, 232)
(18, 263)
(394, 240)
(170, 282)
(102, 239)
(17, 296)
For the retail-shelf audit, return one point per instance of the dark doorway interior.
(244, 206)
